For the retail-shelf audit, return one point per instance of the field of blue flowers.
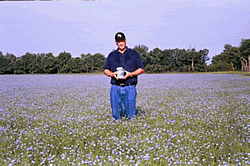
(183, 119)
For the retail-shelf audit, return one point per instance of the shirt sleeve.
(139, 63)
(107, 63)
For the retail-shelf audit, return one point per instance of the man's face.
(121, 44)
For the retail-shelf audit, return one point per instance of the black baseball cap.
(120, 37)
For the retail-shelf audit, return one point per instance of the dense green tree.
(48, 63)
(93, 63)
(75, 65)
(7, 63)
(244, 53)
(29, 63)
(156, 56)
(3, 64)
(11, 62)
(167, 61)
(62, 60)
(189, 61)
(229, 57)
(19, 66)
(222, 66)
(179, 57)
(200, 60)
(84, 56)
(143, 52)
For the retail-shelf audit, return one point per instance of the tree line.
(155, 61)
(47, 63)
(233, 58)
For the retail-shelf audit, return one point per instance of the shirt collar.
(127, 49)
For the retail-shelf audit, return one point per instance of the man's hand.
(134, 73)
(128, 74)
(115, 75)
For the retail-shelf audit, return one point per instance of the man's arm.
(108, 73)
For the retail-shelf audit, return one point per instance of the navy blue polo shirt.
(130, 60)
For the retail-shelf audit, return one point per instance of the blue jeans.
(123, 101)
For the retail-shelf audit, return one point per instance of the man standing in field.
(123, 66)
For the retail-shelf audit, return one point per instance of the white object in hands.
(120, 72)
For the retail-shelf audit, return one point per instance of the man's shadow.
(139, 112)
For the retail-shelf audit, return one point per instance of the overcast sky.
(89, 27)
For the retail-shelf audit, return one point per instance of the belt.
(122, 85)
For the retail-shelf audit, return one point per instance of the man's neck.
(122, 51)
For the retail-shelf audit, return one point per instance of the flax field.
(183, 119)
